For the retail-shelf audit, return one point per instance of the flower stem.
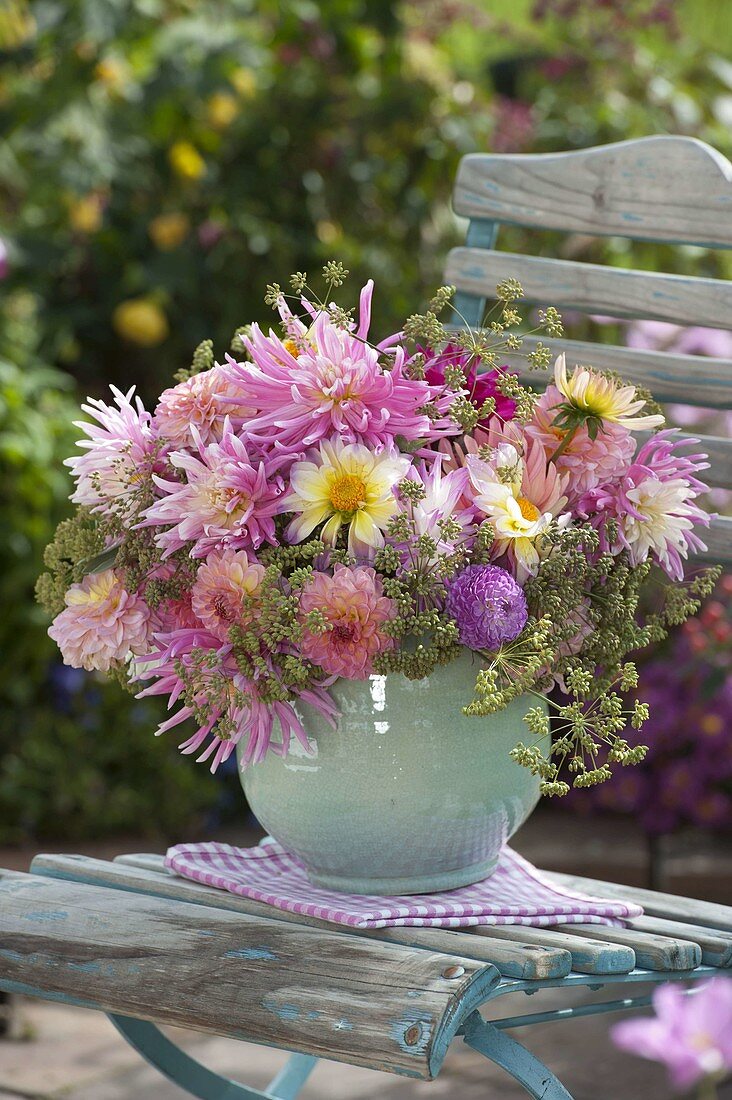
(568, 437)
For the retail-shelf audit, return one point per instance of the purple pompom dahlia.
(488, 606)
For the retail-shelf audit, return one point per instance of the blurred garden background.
(162, 160)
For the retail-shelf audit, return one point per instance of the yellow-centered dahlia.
(345, 484)
(602, 399)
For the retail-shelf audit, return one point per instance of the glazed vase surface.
(407, 795)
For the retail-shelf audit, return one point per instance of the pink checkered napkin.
(516, 893)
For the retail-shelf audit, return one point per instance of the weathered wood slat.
(589, 956)
(707, 914)
(301, 988)
(688, 379)
(718, 539)
(651, 952)
(659, 188)
(593, 288)
(716, 947)
(147, 874)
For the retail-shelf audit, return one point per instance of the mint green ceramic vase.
(407, 795)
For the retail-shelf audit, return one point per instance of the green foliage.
(81, 762)
(162, 160)
(77, 756)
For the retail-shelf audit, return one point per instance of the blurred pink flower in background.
(514, 125)
(691, 1033)
(663, 336)
(4, 261)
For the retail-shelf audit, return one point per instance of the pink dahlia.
(327, 381)
(102, 623)
(173, 613)
(120, 452)
(355, 610)
(479, 385)
(227, 707)
(585, 462)
(204, 401)
(654, 505)
(225, 584)
(228, 499)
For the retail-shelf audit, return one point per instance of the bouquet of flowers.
(319, 506)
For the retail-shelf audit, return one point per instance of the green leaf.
(104, 560)
(409, 446)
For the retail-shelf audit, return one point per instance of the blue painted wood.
(594, 288)
(520, 1063)
(180, 1068)
(666, 187)
(468, 309)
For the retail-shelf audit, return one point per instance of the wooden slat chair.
(672, 189)
(152, 949)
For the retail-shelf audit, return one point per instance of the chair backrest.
(672, 189)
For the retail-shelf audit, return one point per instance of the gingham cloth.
(516, 893)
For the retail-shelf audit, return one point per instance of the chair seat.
(140, 943)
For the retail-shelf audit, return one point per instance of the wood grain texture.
(652, 952)
(303, 989)
(659, 188)
(691, 379)
(589, 956)
(718, 538)
(716, 947)
(147, 874)
(593, 288)
(706, 914)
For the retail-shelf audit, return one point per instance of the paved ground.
(71, 1054)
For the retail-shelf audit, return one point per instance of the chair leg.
(293, 1075)
(197, 1080)
(520, 1063)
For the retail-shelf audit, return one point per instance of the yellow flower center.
(347, 493)
(528, 510)
(291, 346)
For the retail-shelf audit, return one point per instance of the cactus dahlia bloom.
(601, 398)
(326, 381)
(654, 504)
(119, 453)
(203, 401)
(355, 611)
(101, 624)
(344, 484)
(520, 496)
(227, 498)
(228, 700)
